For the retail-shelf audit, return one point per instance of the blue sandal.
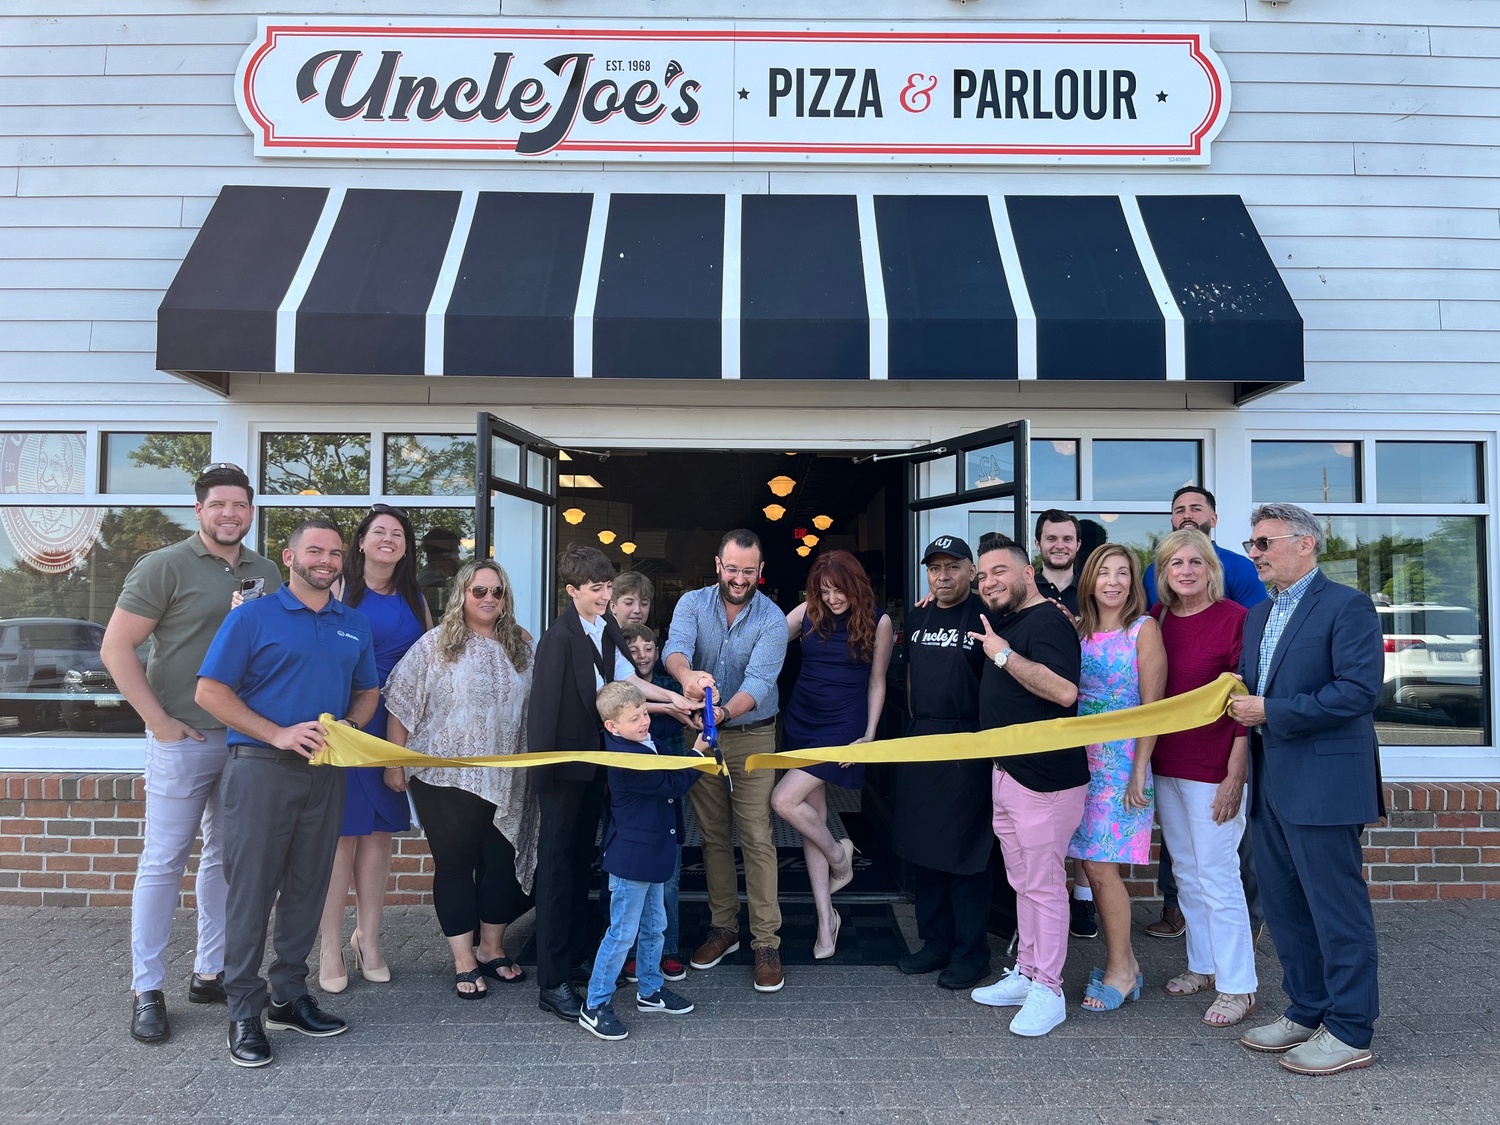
(1110, 996)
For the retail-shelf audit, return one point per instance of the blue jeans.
(634, 908)
(669, 895)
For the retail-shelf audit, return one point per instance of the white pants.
(1206, 859)
(182, 793)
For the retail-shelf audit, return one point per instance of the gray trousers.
(281, 826)
(182, 795)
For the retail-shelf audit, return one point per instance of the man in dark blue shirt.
(276, 664)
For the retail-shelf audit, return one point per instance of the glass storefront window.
(61, 570)
(1427, 577)
(429, 465)
(1305, 472)
(1427, 472)
(159, 463)
(1054, 468)
(314, 464)
(1144, 470)
(42, 462)
(992, 465)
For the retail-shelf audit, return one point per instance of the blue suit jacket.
(645, 817)
(1320, 761)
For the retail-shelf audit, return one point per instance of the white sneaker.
(1009, 991)
(1043, 1010)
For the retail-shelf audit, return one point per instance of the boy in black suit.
(640, 854)
(580, 652)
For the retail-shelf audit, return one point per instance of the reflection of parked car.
(50, 672)
(1433, 660)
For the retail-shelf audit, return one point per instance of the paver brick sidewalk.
(838, 1043)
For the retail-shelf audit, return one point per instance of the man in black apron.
(941, 825)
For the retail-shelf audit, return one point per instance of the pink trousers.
(1034, 830)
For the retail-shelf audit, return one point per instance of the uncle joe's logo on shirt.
(49, 537)
(741, 91)
(941, 638)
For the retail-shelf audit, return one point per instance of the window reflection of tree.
(315, 464)
(89, 590)
(429, 465)
(184, 453)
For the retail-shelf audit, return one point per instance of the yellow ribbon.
(1188, 711)
(349, 746)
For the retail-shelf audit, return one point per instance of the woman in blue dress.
(846, 649)
(380, 580)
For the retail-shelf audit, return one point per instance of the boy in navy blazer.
(639, 854)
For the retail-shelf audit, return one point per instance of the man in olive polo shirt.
(178, 596)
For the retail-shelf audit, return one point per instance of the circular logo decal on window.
(50, 538)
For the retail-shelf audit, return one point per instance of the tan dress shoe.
(1282, 1035)
(1326, 1053)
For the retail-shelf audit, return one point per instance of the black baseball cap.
(947, 545)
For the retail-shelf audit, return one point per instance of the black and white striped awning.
(656, 286)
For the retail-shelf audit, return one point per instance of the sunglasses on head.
(386, 510)
(220, 467)
(486, 591)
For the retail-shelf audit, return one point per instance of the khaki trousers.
(748, 808)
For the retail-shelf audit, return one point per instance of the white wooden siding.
(1368, 153)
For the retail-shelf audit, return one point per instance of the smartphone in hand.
(252, 588)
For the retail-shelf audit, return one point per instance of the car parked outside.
(1434, 661)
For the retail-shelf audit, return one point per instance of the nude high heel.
(823, 952)
(381, 975)
(837, 882)
(336, 984)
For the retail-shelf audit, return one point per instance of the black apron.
(943, 813)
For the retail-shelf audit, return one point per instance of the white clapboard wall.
(1368, 154)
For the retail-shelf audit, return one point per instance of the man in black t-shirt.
(1038, 798)
(941, 823)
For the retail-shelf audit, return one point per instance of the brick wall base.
(73, 839)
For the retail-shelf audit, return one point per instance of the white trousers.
(182, 794)
(1206, 858)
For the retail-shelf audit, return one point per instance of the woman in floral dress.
(1124, 665)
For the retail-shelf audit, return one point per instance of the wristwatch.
(1001, 657)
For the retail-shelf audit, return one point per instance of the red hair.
(842, 571)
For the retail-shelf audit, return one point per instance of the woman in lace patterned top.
(461, 691)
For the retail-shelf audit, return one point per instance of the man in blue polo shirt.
(276, 664)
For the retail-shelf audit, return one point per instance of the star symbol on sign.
(1161, 95)
(744, 94)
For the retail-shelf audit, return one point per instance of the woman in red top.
(1200, 779)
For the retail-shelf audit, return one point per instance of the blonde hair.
(1088, 606)
(613, 698)
(453, 630)
(1176, 541)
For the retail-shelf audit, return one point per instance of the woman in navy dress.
(840, 692)
(380, 579)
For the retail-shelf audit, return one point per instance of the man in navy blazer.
(1313, 661)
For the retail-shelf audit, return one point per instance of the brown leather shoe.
(719, 945)
(768, 974)
(1171, 924)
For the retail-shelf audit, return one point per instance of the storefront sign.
(51, 539)
(748, 92)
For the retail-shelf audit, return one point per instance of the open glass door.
(515, 515)
(969, 485)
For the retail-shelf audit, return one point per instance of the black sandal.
(471, 977)
(492, 969)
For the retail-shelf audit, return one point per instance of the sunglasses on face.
(1263, 542)
(486, 591)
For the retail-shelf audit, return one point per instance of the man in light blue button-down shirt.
(732, 638)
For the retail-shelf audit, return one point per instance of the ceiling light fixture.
(822, 523)
(804, 551)
(810, 540)
(781, 486)
(773, 512)
(574, 515)
(628, 548)
(607, 537)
